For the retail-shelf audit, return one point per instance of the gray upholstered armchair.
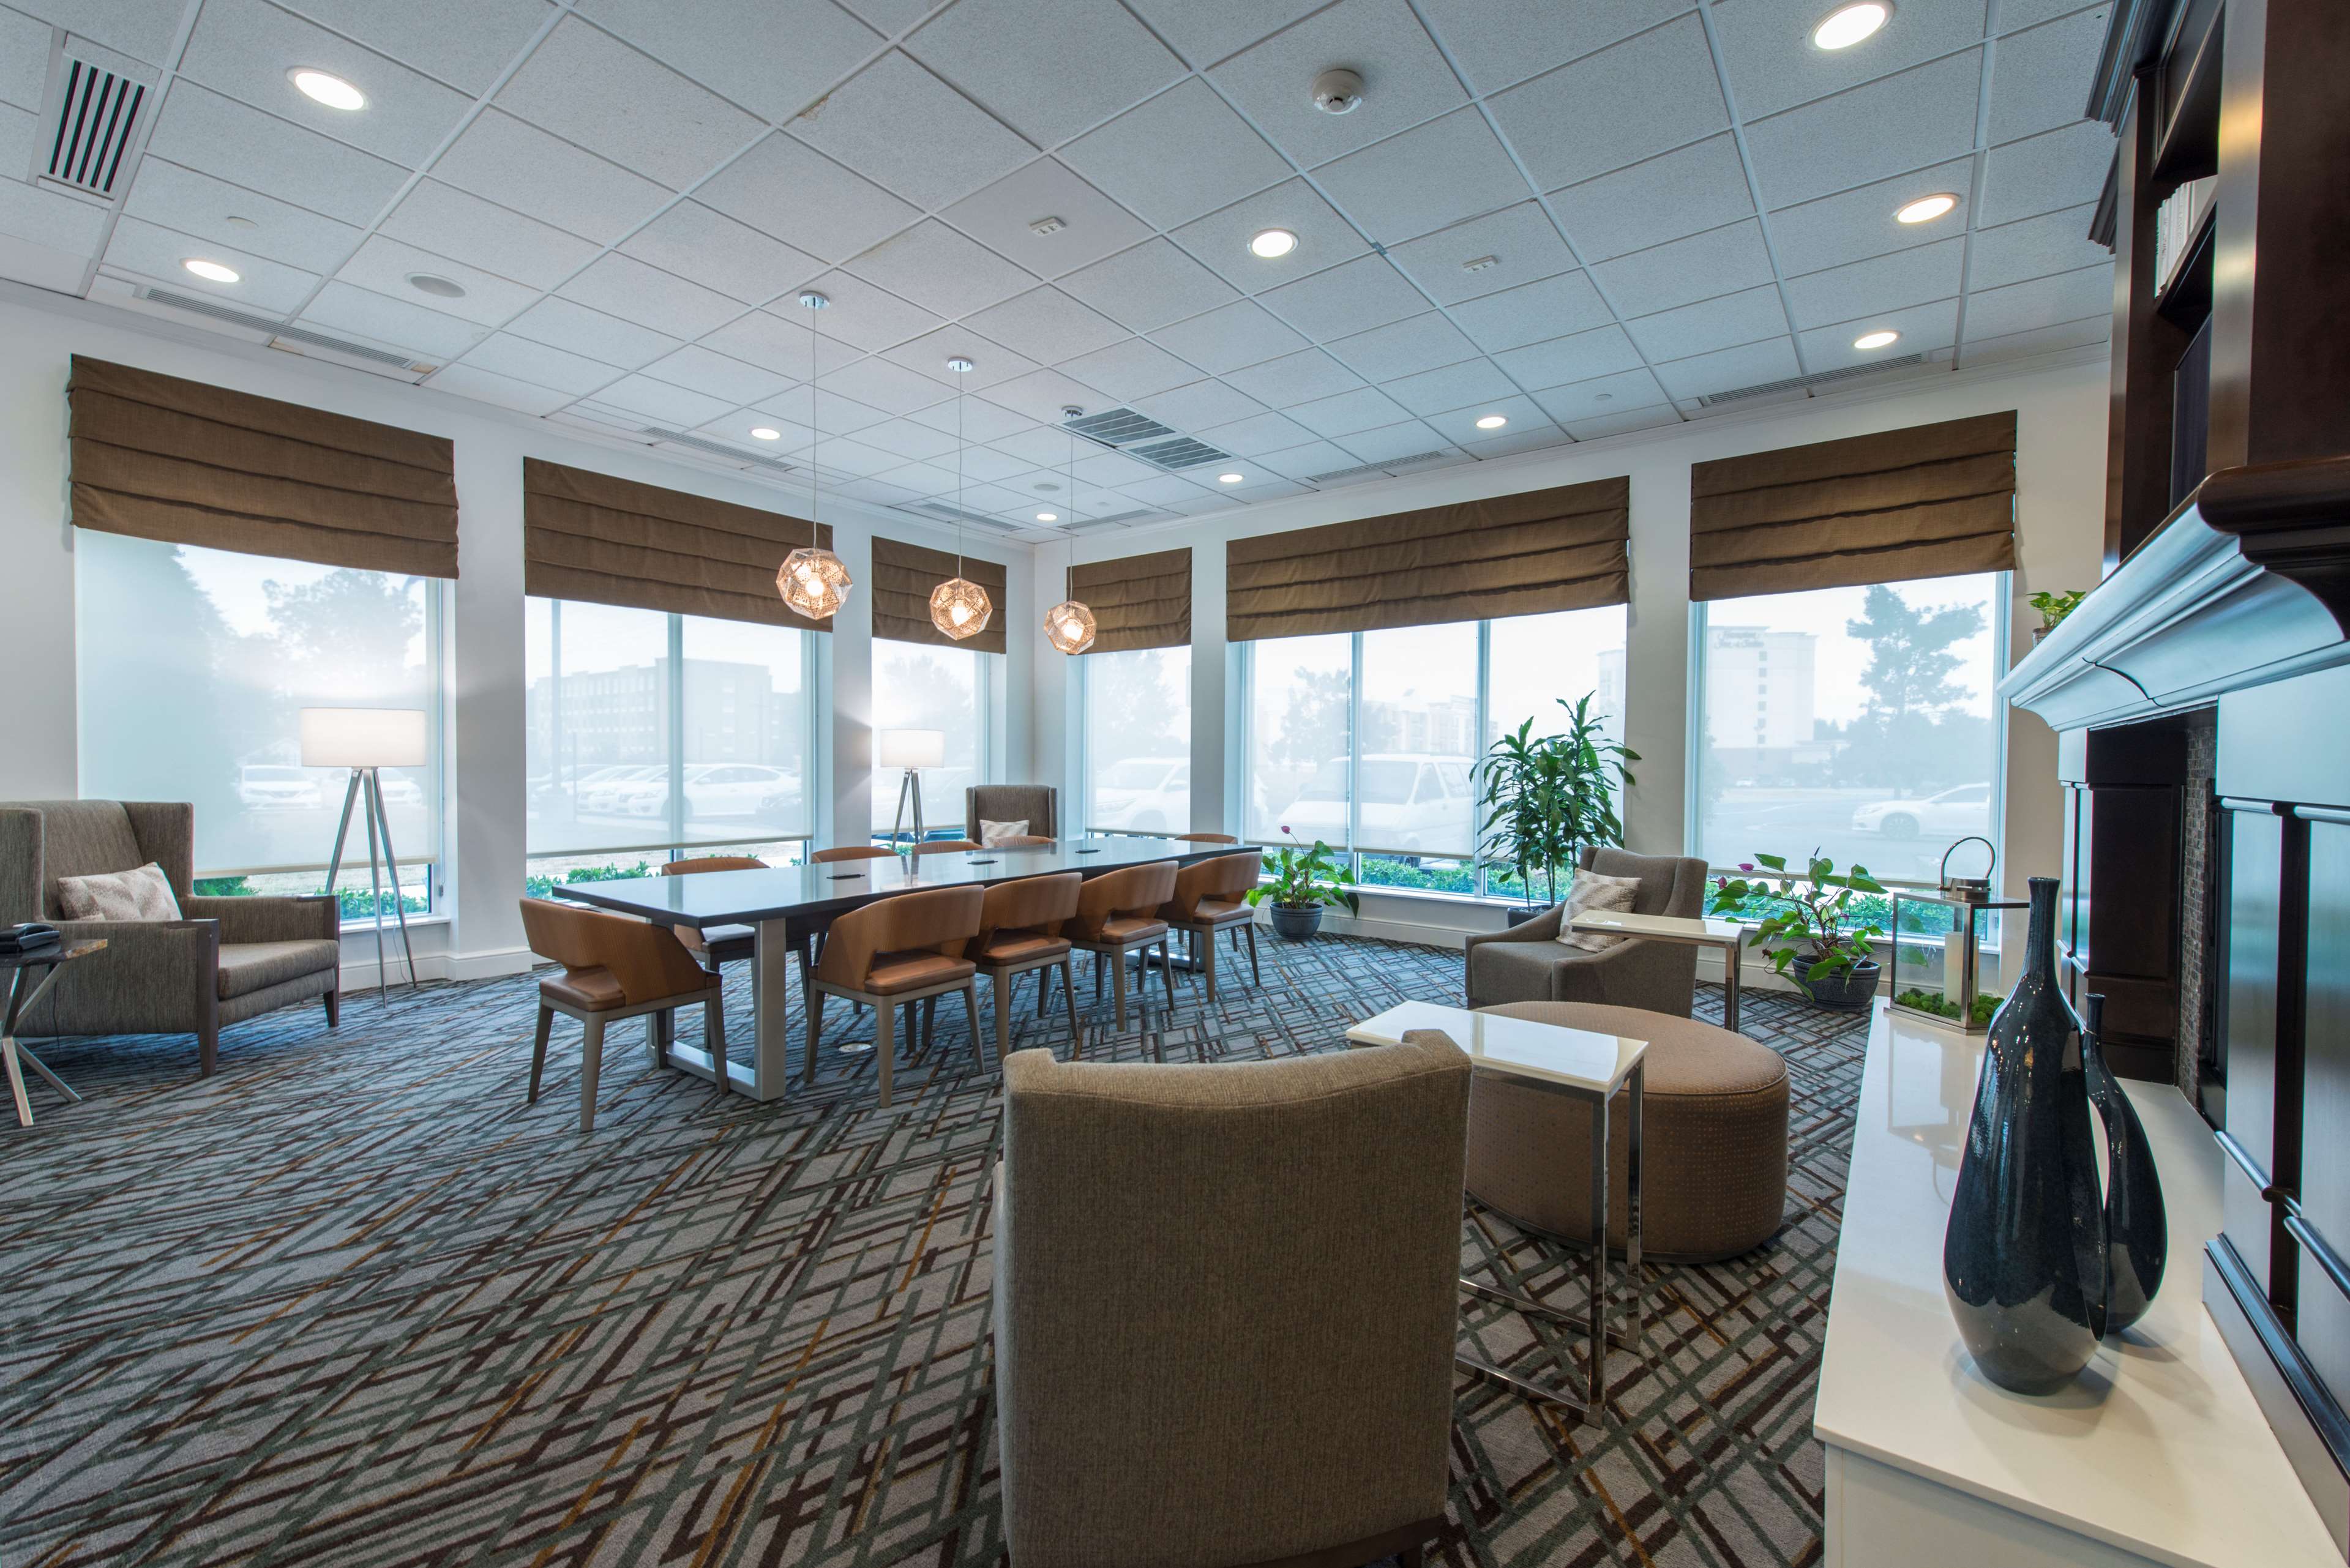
(1528, 962)
(1039, 806)
(227, 960)
(1239, 1280)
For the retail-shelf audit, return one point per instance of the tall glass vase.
(2137, 1236)
(2023, 1261)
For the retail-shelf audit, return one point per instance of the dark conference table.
(786, 906)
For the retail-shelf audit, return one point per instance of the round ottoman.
(1713, 1148)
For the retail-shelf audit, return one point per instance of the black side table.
(35, 972)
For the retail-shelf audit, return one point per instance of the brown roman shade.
(1138, 601)
(1932, 501)
(160, 458)
(609, 541)
(1474, 560)
(903, 577)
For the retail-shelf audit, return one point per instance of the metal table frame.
(1599, 923)
(24, 993)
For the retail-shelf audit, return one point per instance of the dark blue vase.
(2137, 1238)
(2023, 1261)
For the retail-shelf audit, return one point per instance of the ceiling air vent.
(1392, 466)
(1825, 378)
(719, 448)
(1181, 453)
(1120, 426)
(940, 511)
(97, 122)
(276, 328)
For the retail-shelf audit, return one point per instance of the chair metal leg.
(1256, 976)
(1098, 975)
(660, 1028)
(1208, 963)
(538, 1049)
(884, 1044)
(591, 1064)
(1043, 991)
(1167, 973)
(814, 1027)
(1117, 986)
(1069, 995)
(713, 1031)
(971, 1016)
(1002, 1016)
(930, 1024)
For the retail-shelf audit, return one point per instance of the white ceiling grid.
(1583, 218)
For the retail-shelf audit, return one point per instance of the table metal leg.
(1635, 1317)
(772, 956)
(16, 1081)
(1599, 1323)
(1730, 988)
(25, 993)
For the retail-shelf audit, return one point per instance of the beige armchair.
(227, 960)
(1239, 1279)
(1529, 963)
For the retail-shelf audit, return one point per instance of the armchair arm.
(1542, 927)
(307, 917)
(155, 977)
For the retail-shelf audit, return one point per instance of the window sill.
(391, 926)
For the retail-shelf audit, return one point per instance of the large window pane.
(1535, 661)
(597, 754)
(1139, 741)
(1298, 737)
(1415, 799)
(747, 731)
(1856, 722)
(917, 686)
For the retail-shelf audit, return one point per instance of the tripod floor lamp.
(912, 750)
(366, 740)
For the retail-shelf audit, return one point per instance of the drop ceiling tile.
(154, 252)
(1038, 396)
(520, 359)
(1134, 368)
(1256, 435)
(1855, 224)
(891, 16)
(1602, 351)
(2017, 15)
(786, 189)
(1134, 159)
(1298, 377)
(1004, 216)
(1148, 286)
(880, 492)
(907, 440)
(2051, 242)
(143, 29)
(1307, 461)
(729, 379)
(1510, 442)
(2042, 173)
(385, 266)
(2042, 302)
(522, 167)
(1923, 327)
(487, 387)
(565, 324)
(1682, 192)
(1241, 333)
(19, 133)
(828, 412)
(1406, 80)
(1882, 283)
(465, 43)
(1048, 68)
(982, 420)
(426, 334)
(941, 270)
(624, 286)
(1221, 239)
(1623, 424)
(1366, 408)
(1198, 405)
(1535, 312)
(1602, 397)
(1626, 103)
(243, 48)
(879, 384)
(1113, 467)
(1498, 42)
(2039, 340)
(691, 242)
(1729, 370)
(1516, 245)
(765, 338)
(898, 124)
(991, 362)
(1167, 490)
(1425, 178)
(1347, 298)
(2039, 79)
(861, 314)
(24, 60)
(1047, 447)
(1267, 489)
(838, 455)
(215, 135)
(984, 465)
(1924, 115)
(1205, 31)
(1391, 443)
(661, 403)
(1403, 347)
(58, 224)
(1478, 381)
(199, 205)
(463, 226)
(1772, 64)
(772, 56)
(1046, 325)
(1679, 272)
(671, 130)
(1724, 322)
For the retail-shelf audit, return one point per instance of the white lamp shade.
(911, 749)
(364, 738)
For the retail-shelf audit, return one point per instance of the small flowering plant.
(1306, 878)
(1808, 914)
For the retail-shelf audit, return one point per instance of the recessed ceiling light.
(332, 91)
(1048, 517)
(234, 222)
(1491, 422)
(1848, 24)
(765, 432)
(434, 284)
(210, 271)
(1229, 478)
(1925, 208)
(960, 366)
(1875, 339)
(1273, 244)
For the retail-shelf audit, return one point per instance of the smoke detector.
(1338, 90)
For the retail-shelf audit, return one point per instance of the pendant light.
(1070, 625)
(960, 608)
(813, 581)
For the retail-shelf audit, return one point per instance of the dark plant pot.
(1524, 912)
(1296, 922)
(1850, 992)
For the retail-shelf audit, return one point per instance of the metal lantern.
(1069, 627)
(815, 583)
(960, 608)
(1938, 943)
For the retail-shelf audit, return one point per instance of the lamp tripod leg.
(399, 901)
(375, 888)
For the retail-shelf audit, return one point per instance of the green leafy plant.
(1304, 878)
(1808, 918)
(2055, 607)
(1936, 1002)
(1549, 796)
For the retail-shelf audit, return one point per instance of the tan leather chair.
(948, 847)
(719, 944)
(1209, 898)
(1118, 913)
(616, 968)
(851, 852)
(1203, 838)
(906, 947)
(1020, 930)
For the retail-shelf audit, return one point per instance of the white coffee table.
(1583, 1066)
(1727, 935)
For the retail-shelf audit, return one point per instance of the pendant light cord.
(815, 530)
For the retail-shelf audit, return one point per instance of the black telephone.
(26, 936)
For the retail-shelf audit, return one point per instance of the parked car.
(600, 791)
(277, 786)
(1405, 803)
(1955, 813)
(1144, 795)
(712, 789)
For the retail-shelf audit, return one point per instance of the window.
(1137, 767)
(650, 733)
(193, 667)
(1857, 721)
(919, 686)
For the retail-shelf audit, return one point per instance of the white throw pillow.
(992, 833)
(142, 895)
(1591, 891)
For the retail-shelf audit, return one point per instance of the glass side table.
(36, 972)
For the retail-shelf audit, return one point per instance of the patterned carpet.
(352, 1301)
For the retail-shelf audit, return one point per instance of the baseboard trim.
(491, 964)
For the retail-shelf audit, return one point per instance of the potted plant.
(1810, 927)
(2054, 609)
(1303, 880)
(1548, 797)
